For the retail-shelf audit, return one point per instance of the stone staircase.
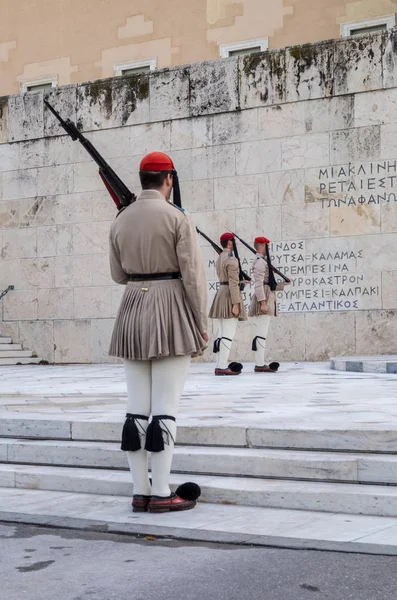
(352, 472)
(13, 354)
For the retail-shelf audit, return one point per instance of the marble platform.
(366, 364)
(309, 444)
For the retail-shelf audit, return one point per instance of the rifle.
(242, 276)
(121, 195)
(117, 189)
(254, 251)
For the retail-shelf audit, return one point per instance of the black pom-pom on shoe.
(189, 491)
(236, 367)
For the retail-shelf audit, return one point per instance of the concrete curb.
(197, 535)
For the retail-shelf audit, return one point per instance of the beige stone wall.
(79, 41)
(296, 144)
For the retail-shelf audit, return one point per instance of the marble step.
(5, 340)
(14, 353)
(107, 428)
(270, 493)
(249, 462)
(10, 346)
(25, 360)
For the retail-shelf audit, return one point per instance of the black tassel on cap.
(130, 439)
(155, 434)
(188, 491)
(177, 190)
(236, 367)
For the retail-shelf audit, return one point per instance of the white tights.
(154, 388)
(262, 324)
(227, 329)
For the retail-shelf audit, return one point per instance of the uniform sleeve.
(116, 271)
(232, 271)
(259, 272)
(191, 266)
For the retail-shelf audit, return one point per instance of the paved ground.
(301, 395)
(43, 564)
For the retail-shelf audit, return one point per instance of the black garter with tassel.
(254, 342)
(155, 434)
(130, 439)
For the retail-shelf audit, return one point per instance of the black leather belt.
(154, 276)
(223, 283)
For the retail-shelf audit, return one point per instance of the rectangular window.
(369, 26)
(244, 51)
(247, 47)
(37, 85)
(135, 67)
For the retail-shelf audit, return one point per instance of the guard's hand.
(236, 310)
(264, 307)
(205, 337)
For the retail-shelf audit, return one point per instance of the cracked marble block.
(37, 211)
(214, 87)
(235, 127)
(64, 100)
(9, 157)
(169, 94)
(21, 305)
(3, 119)
(287, 337)
(37, 336)
(262, 79)
(375, 331)
(351, 145)
(198, 195)
(329, 114)
(37, 272)
(130, 100)
(91, 238)
(191, 133)
(389, 59)
(302, 221)
(340, 338)
(309, 71)
(236, 192)
(55, 180)
(389, 289)
(25, 117)
(265, 220)
(92, 302)
(65, 335)
(306, 151)
(358, 64)
(258, 157)
(101, 332)
(281, 187)
(20, 184)
(150, 137)
(55, 304)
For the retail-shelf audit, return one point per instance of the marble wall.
(297, 144)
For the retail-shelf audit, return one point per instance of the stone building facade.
(58, 42)
(297, 144)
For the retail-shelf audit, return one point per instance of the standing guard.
(161, 323)
(264, 303)
(228, 305)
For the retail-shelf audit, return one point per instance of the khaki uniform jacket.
(227, 271)
(165, 317)
(262, 291)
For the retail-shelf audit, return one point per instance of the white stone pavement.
(302, 396)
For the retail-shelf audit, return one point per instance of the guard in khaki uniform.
(264, 303)
(228, 306)
(161, 323)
